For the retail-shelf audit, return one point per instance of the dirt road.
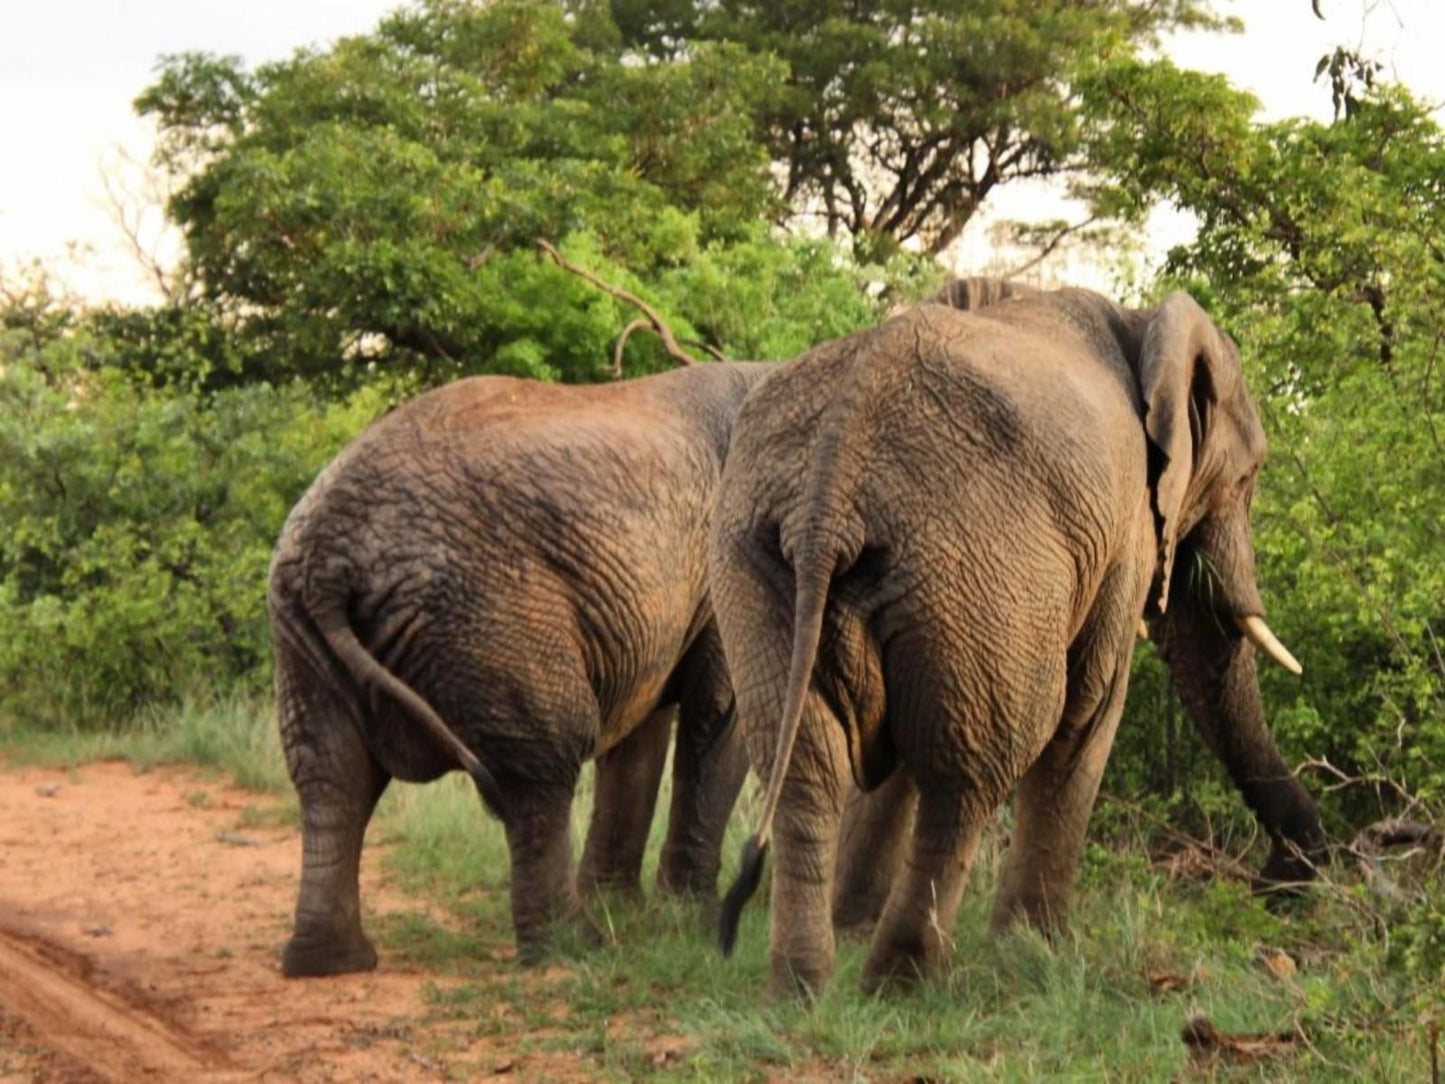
(140, 922)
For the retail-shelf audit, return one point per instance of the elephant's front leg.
(810, 809)
(627, 778)
(870, 854)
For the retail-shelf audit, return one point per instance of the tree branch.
(637, 325)
(654, 319)
(1369, 846)
(1045, 252)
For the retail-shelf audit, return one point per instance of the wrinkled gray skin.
(876, 825)
(510, 576)
(932, 544)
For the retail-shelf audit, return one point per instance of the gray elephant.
(510, 577)
(931, 548)
(876, 825)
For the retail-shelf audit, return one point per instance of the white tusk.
(1143, 629)
(1259, 635)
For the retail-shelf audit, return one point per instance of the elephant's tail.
(370, 673)
(813, 577)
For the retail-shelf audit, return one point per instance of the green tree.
(379, 201)
(1321, 247)
(138, 523)
(897, 119)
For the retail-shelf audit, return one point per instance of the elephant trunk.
(1213, 669)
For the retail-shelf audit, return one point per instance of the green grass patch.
(234, 734)
(1108, 1002)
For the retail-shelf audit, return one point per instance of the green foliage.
(1320, 249)
(378, 203)
(139, 525)
(897, 119)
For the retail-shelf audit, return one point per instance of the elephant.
(509, 577)
(876, 825)
(931, 548)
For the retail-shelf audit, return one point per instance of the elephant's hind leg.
(338, 782)
(1051, 814)
(539, 839)
(627, 779)
(710, 763)
(871, 852)
(1057, 792)
(913, 935)
(810, 809)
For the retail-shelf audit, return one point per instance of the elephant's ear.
(1180, 364)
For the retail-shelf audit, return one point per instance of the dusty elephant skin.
(876, 825)
(932, 545)
(510, 577)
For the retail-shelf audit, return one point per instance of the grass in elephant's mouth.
(1110, 1002)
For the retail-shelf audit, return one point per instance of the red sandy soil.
(140, 929)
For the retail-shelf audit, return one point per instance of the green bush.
(139, 525)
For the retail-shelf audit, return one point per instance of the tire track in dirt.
(141, 914)
(110, 1034)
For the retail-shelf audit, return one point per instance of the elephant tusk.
(1143, 630)
(1259, 635)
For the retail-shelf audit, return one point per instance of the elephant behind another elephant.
(510, 577)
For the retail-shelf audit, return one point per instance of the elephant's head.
(1205, 447)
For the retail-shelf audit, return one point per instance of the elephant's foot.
(316, 955)
(799, 980)
(562, 935)
(1049, 915)
(624, 886)
(1285, 874)
(1283, 881)
(898, 964)
(687, 876)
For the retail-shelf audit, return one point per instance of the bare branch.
(654, 318)
(1048, 249)
(1369, 846)
(712, 351)
(478, 260)
(128, 219)
(637, 325)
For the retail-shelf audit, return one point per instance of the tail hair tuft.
(750, 875)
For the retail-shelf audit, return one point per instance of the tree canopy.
(378, 201)
(894, 121)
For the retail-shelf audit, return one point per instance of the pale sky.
(69, 70)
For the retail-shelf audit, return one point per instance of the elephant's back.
(536, 520)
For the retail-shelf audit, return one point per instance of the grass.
(236, 735)
(1108, 1003)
